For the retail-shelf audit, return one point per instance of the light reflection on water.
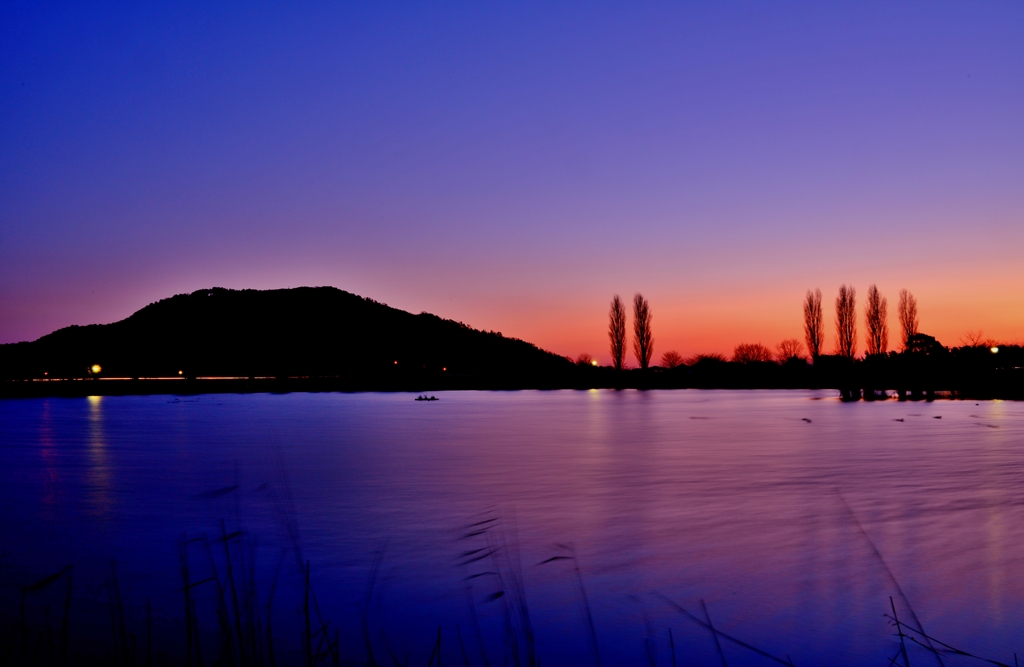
(730, 497)
(99, 473)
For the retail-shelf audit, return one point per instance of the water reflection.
(99, 474)
(51, 491)
(726, 497)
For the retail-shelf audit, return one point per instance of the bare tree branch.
(746, 353)
(788, 349)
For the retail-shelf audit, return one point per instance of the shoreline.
(177, 386)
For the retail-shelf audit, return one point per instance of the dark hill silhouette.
(306, 331)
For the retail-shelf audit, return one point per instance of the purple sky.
(514, 166)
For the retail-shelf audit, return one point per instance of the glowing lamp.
(181, 372)
(95, 368)
(993, 350)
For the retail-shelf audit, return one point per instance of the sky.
(515, 165)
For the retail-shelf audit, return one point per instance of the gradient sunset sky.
(514, 165)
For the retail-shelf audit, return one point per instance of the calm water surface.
(732, 497)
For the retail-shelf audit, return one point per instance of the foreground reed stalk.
(244, 625)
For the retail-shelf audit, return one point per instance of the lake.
(793, 516)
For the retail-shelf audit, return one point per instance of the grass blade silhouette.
(892, 577)
(723, 635)
(951, 650)
(899, 632)
(714, 635)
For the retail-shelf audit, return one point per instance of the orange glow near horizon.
(699, 326)
(719, 161)
(699, 319)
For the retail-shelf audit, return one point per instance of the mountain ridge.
(302, 331)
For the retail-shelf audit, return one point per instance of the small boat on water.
(427, 398)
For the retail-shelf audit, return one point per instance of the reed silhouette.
(229, 611)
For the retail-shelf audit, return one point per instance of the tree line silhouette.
(921, 368)
(876, 321)
(643, 336)
(790, 350)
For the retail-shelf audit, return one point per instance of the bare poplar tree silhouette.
(814, 323)
(876, 321)
(908, 316)
(846, 322)
(617, 331)
(643, 338)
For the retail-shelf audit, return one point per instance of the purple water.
(730, 497)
